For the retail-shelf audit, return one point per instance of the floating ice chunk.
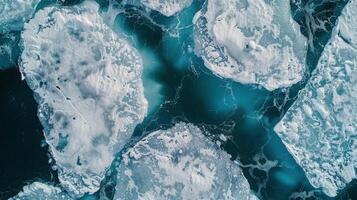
(14, 13)
(165, 7)
(87, 82)
(179, 163)
(252, 42)
(320, 129)
(41, 191)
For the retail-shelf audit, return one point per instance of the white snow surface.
(40, 191)
(179, 163)
(87, 83)
(320, 129)
(14, 13)
(251, 42)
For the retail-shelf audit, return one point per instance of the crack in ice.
(320, 129)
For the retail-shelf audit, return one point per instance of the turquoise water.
(179, 88)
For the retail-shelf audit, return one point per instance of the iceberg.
(41, 191)
(179, 163)
(251, 42)
(320, 129)
(14, 13)
(166, 7)
(87, 82)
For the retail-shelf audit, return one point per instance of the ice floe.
(320, 129)
(87, 82)
(251, 42)
(14, 13)
(179, 163)
(41, 191)
(165, 7)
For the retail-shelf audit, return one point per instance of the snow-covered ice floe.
(87, 82)
(14, 13)
(165, 7)
(251, 42)
(320, 129)
(179, 163)
(41, 191)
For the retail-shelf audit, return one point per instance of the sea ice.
(14, 13)
(251, 42)
(87, 82)
(179, 163)
(320, 129)
(41, 191)
(165, 7)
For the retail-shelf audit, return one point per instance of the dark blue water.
(179, 88)
(22, 157)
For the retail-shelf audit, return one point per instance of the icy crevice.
(179, 163)
(320, 129)
(252, 42)
(14, 13)
(87, 82)
(41, 191)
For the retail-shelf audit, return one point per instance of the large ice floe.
(41, 191)
(320, 129)
(14, 13)
(165, 7)
(251, 42)
(179, 163)
(87, 82)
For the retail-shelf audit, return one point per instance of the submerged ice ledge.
(179, 163)
(87, 82)
(41, 191)
(320, 129)
(14, 13)
(251, 42)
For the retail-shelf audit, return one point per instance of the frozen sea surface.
(41, 191)
(320, 129)
(251, 42)
(87, 82)
(179, 163)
